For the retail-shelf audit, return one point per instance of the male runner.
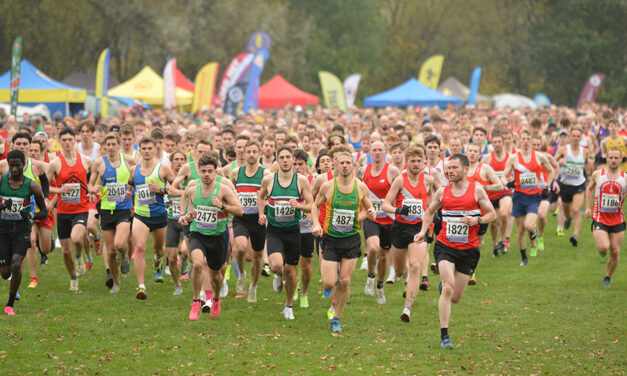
(609, 187)
(285, 192)
(210, 201)
(16, 218)
(614, 140)
(378, 177)
(268, 150)
(149, 178)
(70, 173)
(175, 232)
(547, 196)
(343, 197)
(456, 249)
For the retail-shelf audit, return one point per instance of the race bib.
(456, 231)
(499, 174)
(144, 196)
(116, 191)
(283, 211)
(305, 225)
(343, 220)
(13, 212)
(376, 204)
(572, 170)
(528, 180)
(175, 204)
(206, 217)
(610, 203)
(73, 196)
(415, 209)
(249, 202)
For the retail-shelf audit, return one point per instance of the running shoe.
(224, 290)
(227, 272)
(327, 293)
(216, 308)
(33, 283)
(369, 288)
(424, 284)
(178, 290)
(406, 315)
(495, 252)
(88, 265)
(252, 296)
(277, 283)
(115, 289)
(44, 260)
(126, 265)
(206, 306)
(185, 267)
(335, 326)
(304, 301)
(606, 281)
(80, 266)
(240, 287)
(158, 276)
(109, 281)
(391, 276)
(380, 296)
(331, 312)
(434, 268)
(560, 233)
(573, 240)
(540, 243)
(265, 271)
(533, 252)
(194, 313)
(184, 277)
(74, 285)
(288, 313)
(364, 263)
(524, 262)
(141, 293)
(503, 247)
(557, 210)
(445, 343)
(167, 270)
(507, 243)
(473, 279)
(17, 295)
(9, 311)
(567, 223)
(98, 246)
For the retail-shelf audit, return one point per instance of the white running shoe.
(364, 264)
(178, 290)
(206, 308)
(369, 289)
(224, 291)
(74, 285)
(391, 276)
(80, 266)
(406, 315)
(277, 283)
(252, 296)
(288, 313)
(115, 289)
(380, 296)
(167, 270)
(202, 295)
(240, 287)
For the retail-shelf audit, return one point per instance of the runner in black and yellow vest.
(288, 194)
(211, 201)
(16, 220)
(347, 203)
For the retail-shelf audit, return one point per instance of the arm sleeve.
(45, 185)
(43, 210)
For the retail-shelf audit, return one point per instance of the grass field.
(552, 317)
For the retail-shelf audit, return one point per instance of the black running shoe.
(44, 260)
(567, 223)
(109, 281)
(573, 240)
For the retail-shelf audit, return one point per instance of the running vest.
(280, 212)
(324, 204)
(572, 172)
(528, 175)
(609, 195)
(414, 197)
(617, 144)
(340, 220)
(247, 188)
(148, 204)
(75, 176)
(113, 189)
(94, 151)
(378, 187)
(355, 144)
(440, 168)
(455, 234)
(305, 223)
(29, 173)
(193, 173)
(499, 169)
(20, 199)
(208, 219)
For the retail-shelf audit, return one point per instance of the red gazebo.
(277, 92)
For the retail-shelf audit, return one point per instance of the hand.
(66, 188)
(556, 187)
(215, 201)
(26, 214)
(562, 161)
(372, 214)
(152, 187)
(419, 237)
(129, 191)
(403, 210)
(588, 213)
(49, 205)
(183, 220)
(470, 221)
(263, 219)
(92, 197)
(316, 229)
(295, 204)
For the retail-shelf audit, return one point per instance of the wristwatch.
(479, 220)
(223, 205)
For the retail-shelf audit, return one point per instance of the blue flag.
(474, 86)
(251, 98)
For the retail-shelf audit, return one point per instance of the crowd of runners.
(259, 195)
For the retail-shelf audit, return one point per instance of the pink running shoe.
(9, 311)
(194, 314)
(216, 308)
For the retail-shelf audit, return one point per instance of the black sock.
(443, 332)
(523, 253)
(196, 300)
(533, 234)
(425, 278)
(288, 306)
(215, 299)
(108, 272)
(379, 284)
(371, 275)
(11, 300)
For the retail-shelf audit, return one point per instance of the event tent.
(410, 93)
(277, 92)
(454, 87)
(86, 81)
(513, 101)
(147, 85)
(36, 88)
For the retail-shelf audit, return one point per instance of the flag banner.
(16, 58)
(204, 85)
(430, 71)
(235, 99)
(236, 68)
(169, 84)
(258, 40)
(542, 100)
(251, 98)
(351, 83)
(475, 79)
(591, 89)
(332, 90)
(102, 83)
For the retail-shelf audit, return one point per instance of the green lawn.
(552, 317)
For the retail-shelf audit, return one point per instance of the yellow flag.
(102, 82)
(430, 71)
(332, 90)
(204, 85)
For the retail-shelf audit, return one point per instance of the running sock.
(288, 306)
(523, 253)
(379, 284)
(255, 288)
(443, 332)
(371, 275)
(108, 272)
(77, 256)
(235, 268)
(89, 258)
(142, 286)
(11, 300)
(216, 299)
(196, 300)
(74, 277)
(408, 307)
(533, 234)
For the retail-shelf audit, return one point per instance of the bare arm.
(496, 185)
(316, 228)
(184, 220)
(427, 220)
(233, 205)
(590, 193)
(366, 204)
(181, 176)
(389, 203)
(509, 167)
(262, 195)
(303, 183)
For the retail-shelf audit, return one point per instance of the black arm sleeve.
(45, 185)
(43, 210)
